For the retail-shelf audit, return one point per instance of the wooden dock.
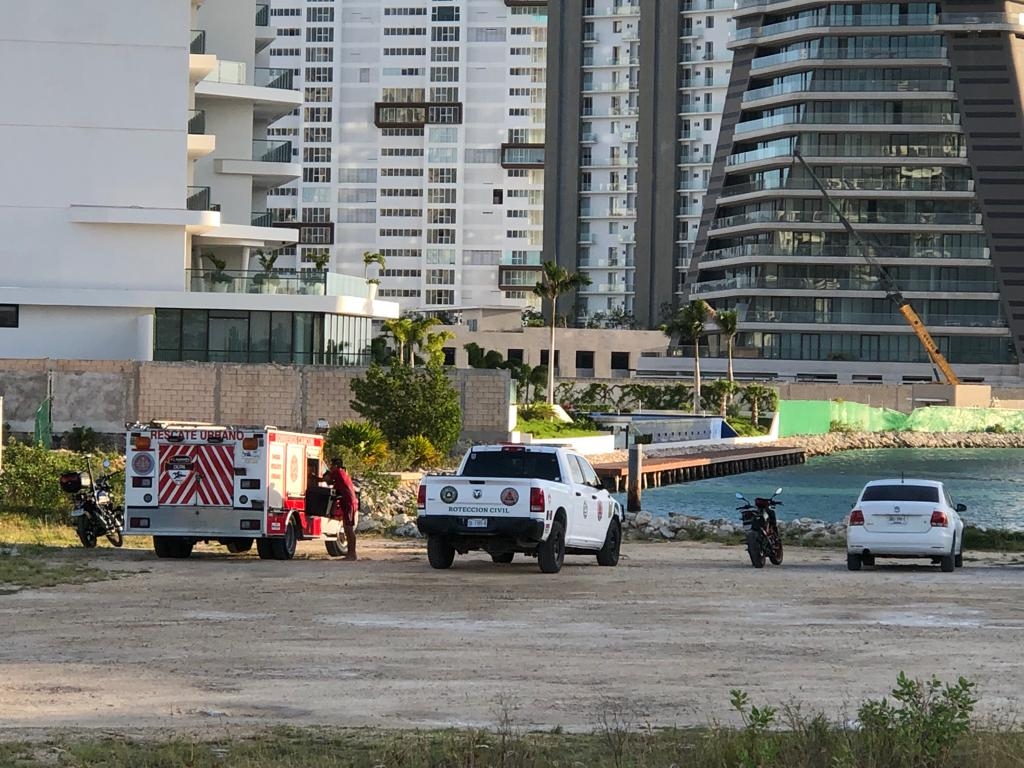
(669, 470)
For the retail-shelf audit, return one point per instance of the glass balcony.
(849, 86)
(198, 44)
(196, 122)
(768, 252)
(273, 77)
(266, 151)
(262, 219)
(908, 184)
(845, 118)
(262, 15)
(198, 199)
(787, 57)
(869, 318)
(258, 281)
(841, 284)
(522, 259)
(809, 22)
(828, 217)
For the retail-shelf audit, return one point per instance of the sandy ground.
(220, 642)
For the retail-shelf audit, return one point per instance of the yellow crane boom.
(892, 290)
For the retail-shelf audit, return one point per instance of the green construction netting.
(815, 417)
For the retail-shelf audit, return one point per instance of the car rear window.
(901, 492)
(521, 464)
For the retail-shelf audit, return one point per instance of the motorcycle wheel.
(113, 522)
(775, 549)
(85, 532)
(115, 537)
(754, 549)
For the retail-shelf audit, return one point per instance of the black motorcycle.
(763, 539)
(94, 514)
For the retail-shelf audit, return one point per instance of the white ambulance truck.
(186, 483)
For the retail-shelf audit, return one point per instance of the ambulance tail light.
(421, 497)
(141, 443)
(537, 500)
(250, 444)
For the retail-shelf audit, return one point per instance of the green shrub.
(81, 439)
(29, 482)
(537, 412)
(405, 401)
(362, 441)
(841, 426)
(417, 451)
(996, 429)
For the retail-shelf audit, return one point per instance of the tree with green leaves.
(372, 257)
(554, 282)
(400, 329)
(760, 398)
(433, 346)
(687, 324)
(718, 394)
(405, 401)
(727, 321)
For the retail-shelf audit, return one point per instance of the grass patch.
(32, 530)
(541, 428)
(33, 566)
(992, 541)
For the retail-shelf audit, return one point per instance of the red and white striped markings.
(197, 474)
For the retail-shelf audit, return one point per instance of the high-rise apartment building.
(422, 138)
(135, 209)
(910, 114)
(636, 91)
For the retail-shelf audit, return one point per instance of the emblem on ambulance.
(179, 468)
(142, 464)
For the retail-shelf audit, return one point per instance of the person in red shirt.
(346, 504)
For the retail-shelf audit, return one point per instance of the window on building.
(584, 360)
(514, 356)
(8, 315)
(620, 361)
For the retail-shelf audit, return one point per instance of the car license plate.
(897, 520)
(476, 522)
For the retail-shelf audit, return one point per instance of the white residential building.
(136, 136)
(422, 138)
(637, 92)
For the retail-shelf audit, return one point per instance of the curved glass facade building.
(910, 114)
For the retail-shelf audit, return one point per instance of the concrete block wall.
(106, 394)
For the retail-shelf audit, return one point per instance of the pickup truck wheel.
(504, 557)
(609, 553)
(551, 552)
(336, 546)
(440, 552)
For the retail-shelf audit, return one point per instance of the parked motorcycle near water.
(94, 514)
(763, 539)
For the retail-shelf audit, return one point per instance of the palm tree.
(401, 331)
(433, 345)
(687, 324)
(371, 257)
(759, 397)
(419, 334)
(728, 323)
(554, 281)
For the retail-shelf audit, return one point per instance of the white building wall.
(444, 241)
(81, 333)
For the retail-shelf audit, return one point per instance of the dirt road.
(223, 641)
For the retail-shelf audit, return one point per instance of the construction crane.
(892, 291)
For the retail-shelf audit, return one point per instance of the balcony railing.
(770, 252)
(198, 44)
(828, 20)
(933, 321)
(902, 184)
(257, 281)
(846, 118)
(828, 217)
(849, 86)
(841, 284)
(198, 199)
(266, 151)
(262, 219)
(273, 77)
(857, 53)
(524, 259)
(916, 150)
(262, 15)
(197, 122)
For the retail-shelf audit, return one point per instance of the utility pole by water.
(635, 479)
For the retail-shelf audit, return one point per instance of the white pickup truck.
(541, 501)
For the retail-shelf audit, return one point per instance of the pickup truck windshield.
(901, 493)
(519, 464)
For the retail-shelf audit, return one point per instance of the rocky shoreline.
(395, 514)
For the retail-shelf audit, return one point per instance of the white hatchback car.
(905, 518)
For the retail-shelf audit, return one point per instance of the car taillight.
(536, 499)
(856, 517)
(939, 519)
(421, 497)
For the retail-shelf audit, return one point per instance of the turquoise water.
(989, 481)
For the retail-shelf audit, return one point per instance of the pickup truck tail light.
(939, 519)
(856, 517)
(537, 500)
(421, 497)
